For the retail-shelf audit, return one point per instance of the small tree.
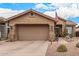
(52, 37)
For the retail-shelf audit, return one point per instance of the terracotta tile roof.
(77, 29)
(68, 22)
(61, 18)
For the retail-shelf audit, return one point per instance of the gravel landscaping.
(71, 46)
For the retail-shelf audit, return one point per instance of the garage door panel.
(32, 32)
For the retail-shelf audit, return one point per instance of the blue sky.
(68, 11)
(17, 6)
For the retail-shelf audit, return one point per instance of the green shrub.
(77, 45)
(62, 48)
(71, 35)
(65, 33)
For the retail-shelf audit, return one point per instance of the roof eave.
(10, 18)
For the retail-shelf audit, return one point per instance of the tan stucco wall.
(27, 19)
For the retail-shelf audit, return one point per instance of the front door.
(58, 30)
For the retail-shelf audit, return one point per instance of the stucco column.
(51, 32)
(12, 33)
(63, 28)
(9, 34)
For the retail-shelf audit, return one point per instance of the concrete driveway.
(24, 48)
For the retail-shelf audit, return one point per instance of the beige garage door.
(32, 32)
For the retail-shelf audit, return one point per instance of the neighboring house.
(77, 31)
(3, 31)
(33, 25)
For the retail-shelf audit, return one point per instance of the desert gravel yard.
(72, 49)
(23, 48)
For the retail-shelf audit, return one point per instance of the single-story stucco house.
(33, 25)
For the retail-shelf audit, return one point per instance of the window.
(70, 29)
(32, 14)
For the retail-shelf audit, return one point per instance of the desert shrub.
(77, 45)
(65, 33)
(71, 35)
(62, 48)
(3, 38)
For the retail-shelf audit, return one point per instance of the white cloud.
(4, 12)
(60, 4)
(77, 25)
(64, 10)
(50, 13)
(74, 5)
(40, 5)
(68, 12)
(45, 7)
